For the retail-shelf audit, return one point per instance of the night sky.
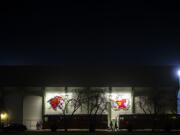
(69, 32)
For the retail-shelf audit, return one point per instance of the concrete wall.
(26, 104)
(14, 104)
(119, 93)
(32, 111)
(147, 99)
(72, 93)
(143, 106)
(67, 94)
(116, 93)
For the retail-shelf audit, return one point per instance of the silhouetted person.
(38, 125)
(116, 126)
(111, 125)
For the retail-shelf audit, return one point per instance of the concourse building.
(31, 94)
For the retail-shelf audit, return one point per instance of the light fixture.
(178, 72)
(4, 116)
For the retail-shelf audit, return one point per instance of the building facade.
(31, 95)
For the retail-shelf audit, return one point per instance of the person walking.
(111, 126)
(116, 126)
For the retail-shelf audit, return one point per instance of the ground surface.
(87, 133)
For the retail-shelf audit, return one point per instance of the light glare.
(4, 116)
(178, 72)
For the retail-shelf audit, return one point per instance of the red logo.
(119, 104)
(56, 102)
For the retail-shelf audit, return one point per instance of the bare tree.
(96, 103)
(158, 102)
(145, 103)
(74, 103)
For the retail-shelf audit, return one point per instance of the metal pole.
(178, 98)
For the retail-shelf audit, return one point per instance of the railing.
(149, 121)
(76, 121)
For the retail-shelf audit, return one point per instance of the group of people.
(39, 125)
(114, 125)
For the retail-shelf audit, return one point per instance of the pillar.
(109, 107)
(43, 102)
(133, 100)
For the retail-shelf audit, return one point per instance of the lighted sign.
(56, 102)
(120, 102)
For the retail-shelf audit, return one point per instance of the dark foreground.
(95, 133)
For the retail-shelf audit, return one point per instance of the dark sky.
(126, 32)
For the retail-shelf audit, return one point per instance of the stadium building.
(30, 94)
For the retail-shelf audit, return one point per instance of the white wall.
(142, 105)
(51, 92)
(117, 92)
(121, 93)
(80, 110)
(32, 111)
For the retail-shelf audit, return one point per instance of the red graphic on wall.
(56, 102)
(120, 104)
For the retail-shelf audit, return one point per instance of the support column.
(43, 102)
(133, 100)
(109, 107)
(66, 96)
